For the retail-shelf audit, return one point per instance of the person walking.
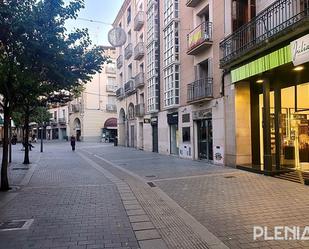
(73, 141)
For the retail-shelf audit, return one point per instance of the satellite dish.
(117, 37)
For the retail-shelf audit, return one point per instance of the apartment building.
(131, 74)
(58, 128)
(93, 116)
(182, 90)
(265, 56)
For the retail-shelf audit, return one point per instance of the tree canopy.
(38, 56)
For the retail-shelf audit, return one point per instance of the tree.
(38, 57)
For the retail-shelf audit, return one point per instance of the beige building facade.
(131, 68)
(93, 116)
(58, 128)
(182, 91)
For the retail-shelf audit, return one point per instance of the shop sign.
(154, 120)
(202, 114)
(300, 50)
(146, 120)
(172, 118)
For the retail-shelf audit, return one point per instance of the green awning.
(275, 59)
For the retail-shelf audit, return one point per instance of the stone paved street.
(72, 204)
(226, 201)
(100, 197)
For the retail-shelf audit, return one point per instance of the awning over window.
(111, 123)
(263, 64)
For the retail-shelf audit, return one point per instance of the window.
(111, 100)
(186, 134)
(55, 115)
(63, 113)
(111, 81)
(129, 15)
(130, 71)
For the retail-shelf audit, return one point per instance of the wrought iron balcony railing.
(119, 61)
(139, 20)
(128, 51)
(139, 80)
(139, 51)
(120, 93)
(200, 38)
(140, 110)
(111, 108)
(200, 90)
(192, 3)
(62, 121)
(129, 87)
(279, 18)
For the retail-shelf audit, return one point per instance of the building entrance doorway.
(155, 138)
(205, 139)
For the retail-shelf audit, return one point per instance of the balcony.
(62, 121)
(200, 38)
(201, 89)
(111, 108)
(129, 87)
(139, 80)
(281, 21)
(111, 88)
(140, 110)
(53, 122)
(192, 3)
(128, 51)
(119, 61)
(139, 51)
(120, 93)
(139, 21)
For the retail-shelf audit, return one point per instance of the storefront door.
(174, 142)
(205, 139)
(155, 138)
(294, 122)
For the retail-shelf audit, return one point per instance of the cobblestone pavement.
(17, 170)
(72, 204)
(226, 201)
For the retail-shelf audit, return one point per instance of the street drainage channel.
(15, 225)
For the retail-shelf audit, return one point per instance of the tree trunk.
(5, 154)
(26, 138)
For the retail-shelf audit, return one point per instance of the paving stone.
(147, 234)
(132, 207)
(153, 244)
(138, 218)
(135, 212)
(142, 226)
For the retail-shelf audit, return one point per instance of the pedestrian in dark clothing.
(73, 140)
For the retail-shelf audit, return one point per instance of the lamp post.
(42, 128)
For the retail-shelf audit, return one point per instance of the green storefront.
(277, 87)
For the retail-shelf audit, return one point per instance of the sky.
(96, 10)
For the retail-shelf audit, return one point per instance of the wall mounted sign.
(146, 120)
(300, 50)
(202, 114)
(154, 120)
